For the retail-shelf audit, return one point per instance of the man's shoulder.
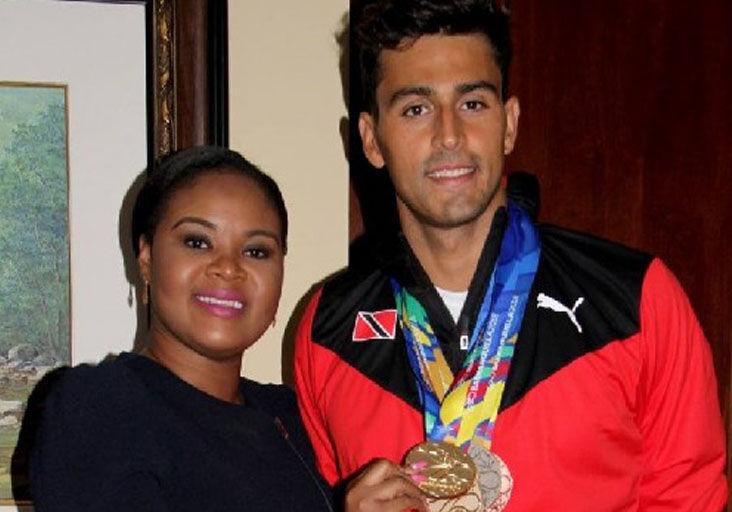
(364, 281)
(350, 344)
(353, 281)
(587, 254)
(357, 289)
(603, 279)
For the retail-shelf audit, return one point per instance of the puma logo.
(544, 301)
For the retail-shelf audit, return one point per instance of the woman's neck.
(218, 378)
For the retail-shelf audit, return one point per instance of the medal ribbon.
(460, 409)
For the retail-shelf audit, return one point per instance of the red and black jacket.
(622, 416)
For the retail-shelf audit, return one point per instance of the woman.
(175, 427)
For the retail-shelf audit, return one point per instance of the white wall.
(99, 51)
(285, 105)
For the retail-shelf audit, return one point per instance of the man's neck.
(449, 256)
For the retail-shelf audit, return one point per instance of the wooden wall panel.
(627, 121)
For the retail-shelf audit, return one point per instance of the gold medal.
(440, 470)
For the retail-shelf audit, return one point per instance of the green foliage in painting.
(34, 253)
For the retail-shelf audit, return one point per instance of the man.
(575, 366)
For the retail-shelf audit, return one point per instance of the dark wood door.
(627, 121)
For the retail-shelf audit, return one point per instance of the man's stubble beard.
(448, 221)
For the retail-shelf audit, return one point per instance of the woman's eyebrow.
(263, 232)
(194, 220)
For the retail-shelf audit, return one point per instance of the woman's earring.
(129, 296)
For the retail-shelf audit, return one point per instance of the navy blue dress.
(129, 435)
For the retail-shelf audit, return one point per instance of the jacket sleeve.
(309, 386)
(679, 416)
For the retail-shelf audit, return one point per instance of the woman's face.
(215, 266)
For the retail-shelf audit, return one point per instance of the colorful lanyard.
(463, 408)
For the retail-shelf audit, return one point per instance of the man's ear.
(367, 129)
(513, 111)
(144, 258)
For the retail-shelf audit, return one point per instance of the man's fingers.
(396, 486)
(405, 503)
(378, 471)
(383, 486)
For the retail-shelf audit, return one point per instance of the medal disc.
(440, 470)
(494, 479)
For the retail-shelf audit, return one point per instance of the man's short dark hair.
(385, 24)
(182, 168)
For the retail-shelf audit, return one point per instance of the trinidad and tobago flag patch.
(375, 325)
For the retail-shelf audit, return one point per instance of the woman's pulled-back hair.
(181, 168)
(378, 25)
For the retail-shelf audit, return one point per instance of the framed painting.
(34, 250)
(56, 175)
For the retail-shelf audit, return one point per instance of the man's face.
(442, 129)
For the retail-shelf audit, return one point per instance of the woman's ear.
(144, 258)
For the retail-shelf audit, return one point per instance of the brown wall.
(627, 121)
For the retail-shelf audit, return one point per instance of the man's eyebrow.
(415, 90)
(194, 220)
(474, 86)
(425, 91)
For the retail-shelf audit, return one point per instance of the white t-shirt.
(454, 301)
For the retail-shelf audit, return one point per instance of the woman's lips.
(223, 303)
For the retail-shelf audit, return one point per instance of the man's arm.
(309, 388)
(679, 417)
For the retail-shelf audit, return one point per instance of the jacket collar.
(396, 258)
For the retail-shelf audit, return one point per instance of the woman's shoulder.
(90, 436)
(274, 398)
(91, 412)
(90, 393)
(279, 403)
(104, 372)
(276, 401)
(111, 373)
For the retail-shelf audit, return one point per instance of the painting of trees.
(34, 250)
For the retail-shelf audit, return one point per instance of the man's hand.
(383, 487)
